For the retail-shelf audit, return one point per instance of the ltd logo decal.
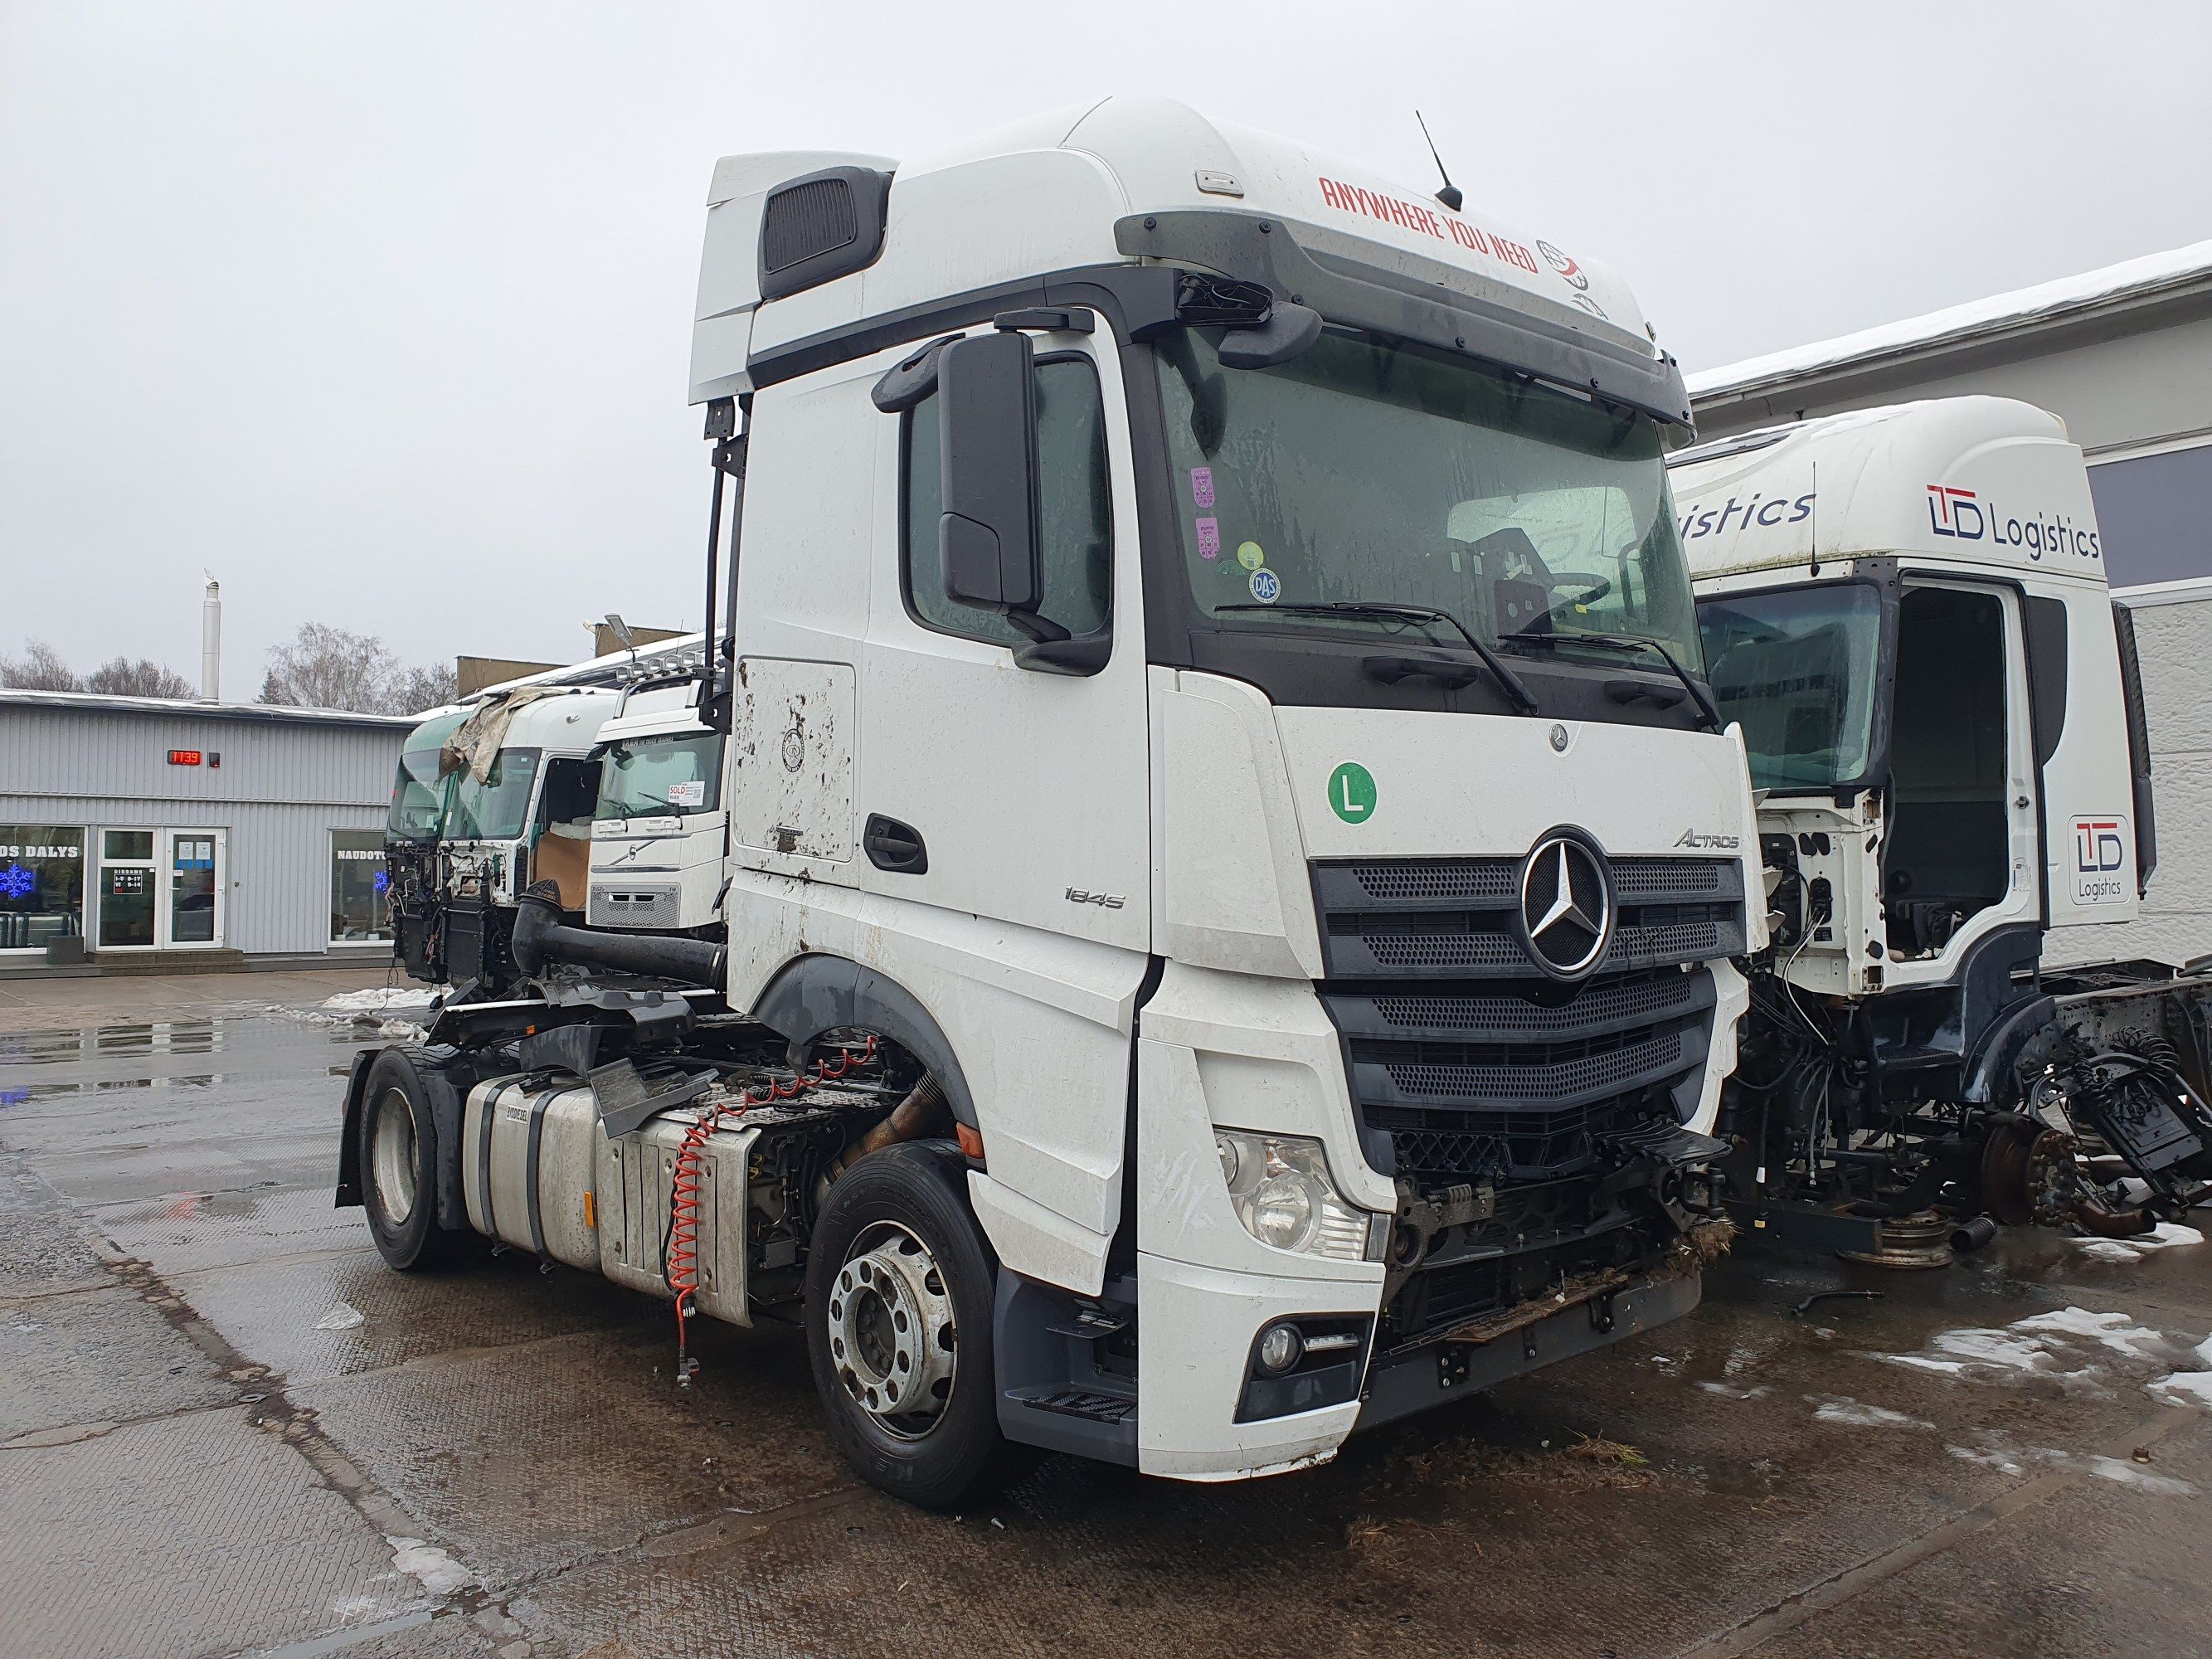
(1968, 515)
(2101, 861)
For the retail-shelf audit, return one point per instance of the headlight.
(1278, 1186)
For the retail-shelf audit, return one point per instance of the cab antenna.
(1450, 195)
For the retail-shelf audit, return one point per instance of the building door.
(161, 889)
(192, 895)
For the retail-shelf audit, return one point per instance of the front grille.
(1435, 878)
(1465, 1062)
(1458, 918)
(635, 907)
(1468, 1064)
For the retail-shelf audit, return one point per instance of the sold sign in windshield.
(1351, 793)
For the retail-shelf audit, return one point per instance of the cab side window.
(1074, 495)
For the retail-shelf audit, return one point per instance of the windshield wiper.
(1507, 679)
(1629, 642)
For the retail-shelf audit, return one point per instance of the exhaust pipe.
(1973, 1234)
(540, 938)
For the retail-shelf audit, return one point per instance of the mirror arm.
(1082, 657)
(1042, 631)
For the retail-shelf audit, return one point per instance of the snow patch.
(2115, 1331)
(2183, 1389)
(1995, 1453)
(429, 1566)
(1759, 1391)
(382, 999)
(2107, 1249)
(2163, 1236)
(343, 1317)
(2063, 1344)
(1855, 1413)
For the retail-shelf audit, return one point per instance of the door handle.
(894, 846)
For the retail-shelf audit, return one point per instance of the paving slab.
(198, 1534)
(319, 1316)
(529, 1460)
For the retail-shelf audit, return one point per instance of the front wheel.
(399, 1165)
(900, 1282)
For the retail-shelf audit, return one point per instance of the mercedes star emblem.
(1567, 905)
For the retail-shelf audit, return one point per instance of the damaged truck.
(1188, 907)
(1905, 609)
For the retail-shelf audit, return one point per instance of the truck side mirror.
(989, 537)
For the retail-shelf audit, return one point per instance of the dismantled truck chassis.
(2084, 1105)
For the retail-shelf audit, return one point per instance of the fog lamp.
(1280, 1348)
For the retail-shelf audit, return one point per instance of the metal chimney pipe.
(211, 643)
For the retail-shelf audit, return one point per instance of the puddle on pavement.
(173, 1037)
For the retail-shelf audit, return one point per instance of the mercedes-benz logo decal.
(1567, 905)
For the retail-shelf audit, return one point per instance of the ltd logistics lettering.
(1972, 517)
(1427, 221)
(1769, 512)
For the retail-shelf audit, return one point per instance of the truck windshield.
(1798, 668)
(497, 808)
(418, 793)
(672, 776)
(1360, 471)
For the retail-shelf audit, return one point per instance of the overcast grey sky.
(380, 311)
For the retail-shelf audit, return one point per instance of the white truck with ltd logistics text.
(1905, 610)
(1197, 893)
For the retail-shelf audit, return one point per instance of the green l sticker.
(1351, 793)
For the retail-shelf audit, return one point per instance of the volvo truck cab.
(1231, 872)
(1905, 610)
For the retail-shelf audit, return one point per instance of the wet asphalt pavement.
(225, 1428)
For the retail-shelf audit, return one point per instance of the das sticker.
(1201, 486)
(691, 794)
(1209, 538)
(1351, 793)
(1250, 555)
(1267, 585)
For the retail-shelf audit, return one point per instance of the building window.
(358, 880)
(2150, 514)
(41, 885)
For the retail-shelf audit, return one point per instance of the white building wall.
(2174, 637)
(283, 785)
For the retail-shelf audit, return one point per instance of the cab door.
(985, 787)
(1961, 849)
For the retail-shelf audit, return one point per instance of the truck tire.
(400, 1166)
(900, 1288)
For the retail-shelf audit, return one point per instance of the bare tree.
(41, 668)
(326, 667)
(122, 678)
(415, 690)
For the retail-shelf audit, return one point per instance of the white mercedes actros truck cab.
(1904, 610)
(1205, 875)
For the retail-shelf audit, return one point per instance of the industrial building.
(2124, 357)
(147, 833)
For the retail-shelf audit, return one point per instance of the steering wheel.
(1593, 588)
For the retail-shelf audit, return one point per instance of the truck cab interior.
(1946, 856)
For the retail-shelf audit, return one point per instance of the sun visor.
(1348, 292)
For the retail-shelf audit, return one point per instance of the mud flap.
(446, 1104)
(348, 1194)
